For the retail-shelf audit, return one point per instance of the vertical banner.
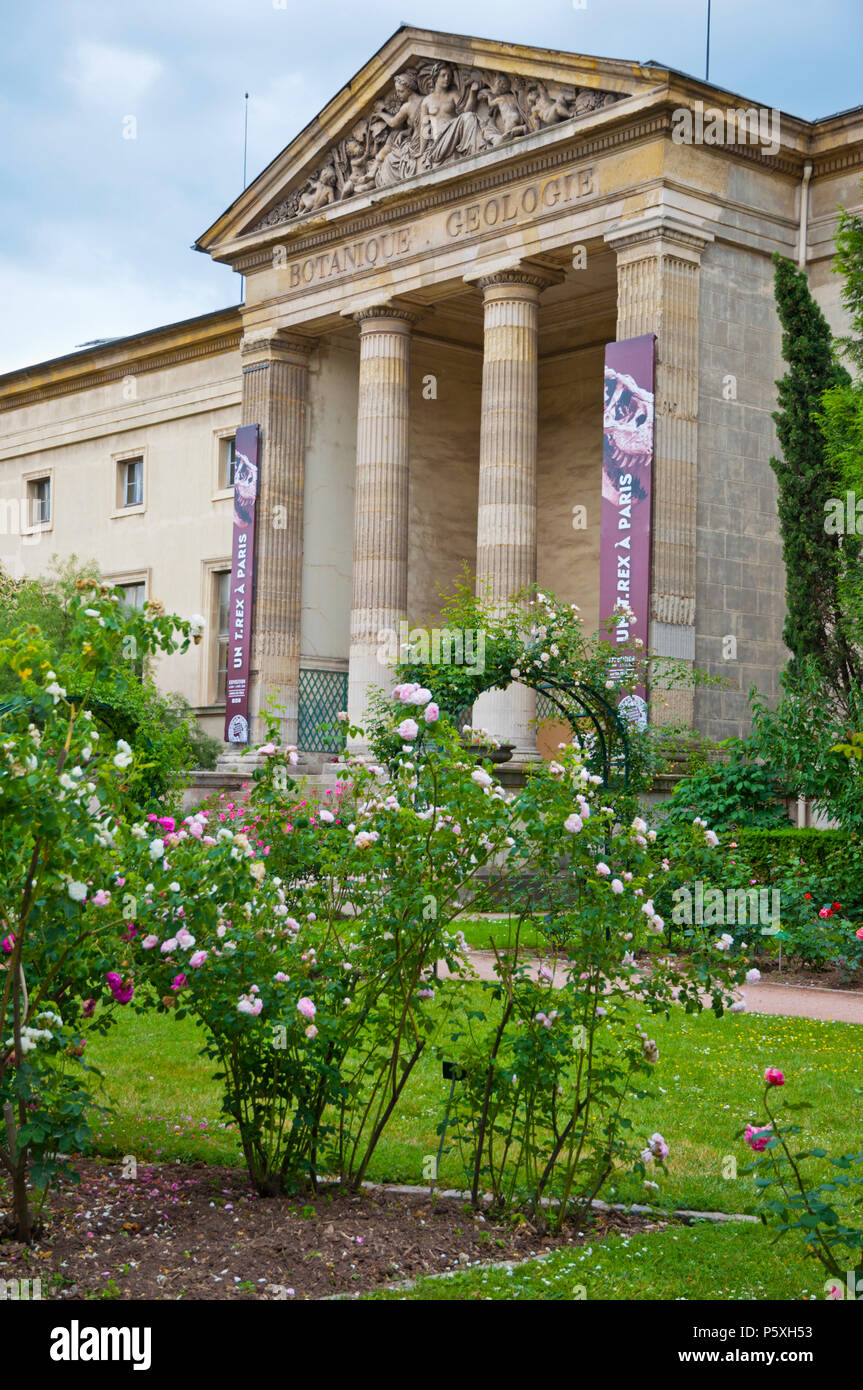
(627, 470)
(242, 582)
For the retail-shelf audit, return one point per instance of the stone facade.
(433, 267)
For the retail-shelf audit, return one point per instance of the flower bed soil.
(831, 977)
(193, 1231)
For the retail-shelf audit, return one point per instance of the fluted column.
(380, 575)
(658, 265)
(275, 378)
(506, 518)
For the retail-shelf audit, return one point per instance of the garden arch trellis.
(606, 722)
(576, 700)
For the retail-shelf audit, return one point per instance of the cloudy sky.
(95, 241)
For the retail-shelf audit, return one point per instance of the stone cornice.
(152, 351)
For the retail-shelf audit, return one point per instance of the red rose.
(807, 896)
(837, 907)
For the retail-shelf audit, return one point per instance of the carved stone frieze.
(435, 112)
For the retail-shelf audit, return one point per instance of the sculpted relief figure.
(449, 125)
(436, 112)
(505, 109)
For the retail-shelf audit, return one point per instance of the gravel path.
(792, 1001)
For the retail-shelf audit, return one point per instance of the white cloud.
(55, 309)
(103, 73)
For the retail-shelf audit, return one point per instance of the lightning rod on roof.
(245, 134)
(707, 61)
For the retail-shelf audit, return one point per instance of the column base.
(509, 715)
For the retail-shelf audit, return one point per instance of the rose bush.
(315, 983)
(551, 1064)
(61, 901)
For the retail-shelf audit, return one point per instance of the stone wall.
(740, 579)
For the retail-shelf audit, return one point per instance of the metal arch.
(586, 697)
(602, 715)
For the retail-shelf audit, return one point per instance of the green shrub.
(733, 794)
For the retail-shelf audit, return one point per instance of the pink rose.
(758, 1139)
(197, 959)
(432, 713)
(306, 1007)
(408, 730)
(774, 1077)
(122, 992)
(178, 982)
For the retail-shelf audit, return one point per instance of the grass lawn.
(715, 1263)
(708, 1084)
(481, 929)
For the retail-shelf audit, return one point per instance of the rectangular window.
(223, 605)
(229, 461)
(39, 501)
(134, 593)
(132, 482)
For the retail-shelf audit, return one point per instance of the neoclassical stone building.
(433, 268)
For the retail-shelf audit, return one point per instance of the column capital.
(404, 312)
(263, 345)
(532, 277)
(659, 230)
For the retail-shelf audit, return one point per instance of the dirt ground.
(829, 978)
(192, 1231)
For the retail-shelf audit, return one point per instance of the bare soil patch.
(198, 1232)
(831, 977)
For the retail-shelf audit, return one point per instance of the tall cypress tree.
(807, 479)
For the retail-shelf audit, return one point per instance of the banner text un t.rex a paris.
(627, 470)
(242, 585)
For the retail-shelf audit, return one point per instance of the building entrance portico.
(466, 454)
(458, 236)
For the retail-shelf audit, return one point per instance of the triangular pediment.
(425, 102)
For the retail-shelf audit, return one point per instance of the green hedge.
(769, 850)
(832, 860)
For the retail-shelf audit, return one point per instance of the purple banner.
(627, 470)
(242, 581)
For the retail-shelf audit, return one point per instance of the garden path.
(793, 1001)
